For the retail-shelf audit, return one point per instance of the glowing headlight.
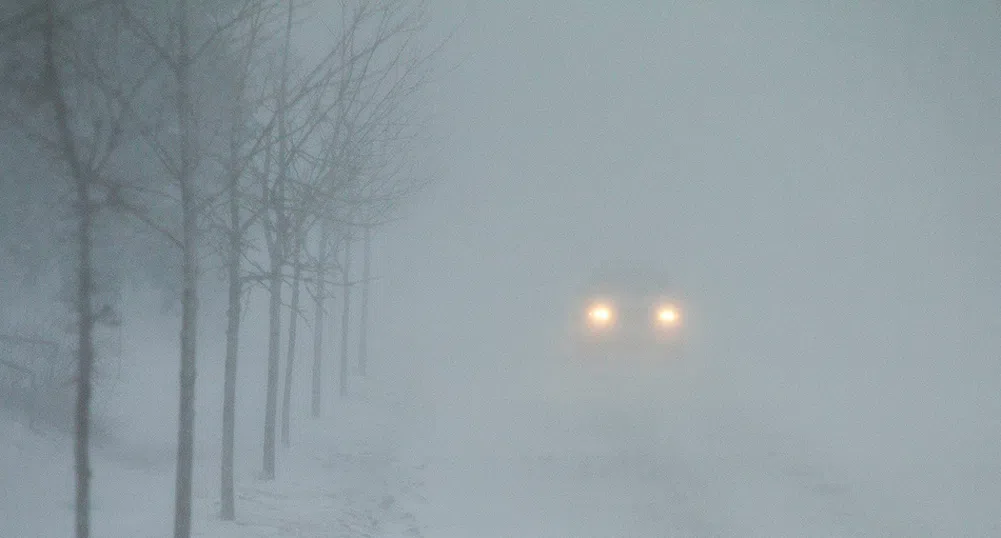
(668, 315)
(600, 314)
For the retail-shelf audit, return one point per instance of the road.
(580, 463)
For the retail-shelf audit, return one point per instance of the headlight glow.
(600, 314)
(668, 315)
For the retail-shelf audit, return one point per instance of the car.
(628, 315)
(627, 334)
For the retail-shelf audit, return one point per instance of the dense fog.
(820, 182)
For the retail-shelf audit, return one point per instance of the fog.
(821, 183)
(819, 180)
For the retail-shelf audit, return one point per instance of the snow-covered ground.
(345, 476)
(498, 455)
(681, 462)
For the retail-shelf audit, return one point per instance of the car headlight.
(600, 315)
(668, 316)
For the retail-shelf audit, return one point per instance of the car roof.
(628, 280)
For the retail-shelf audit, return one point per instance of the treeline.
(262, 137)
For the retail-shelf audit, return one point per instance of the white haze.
(820, 179)
(822, 182)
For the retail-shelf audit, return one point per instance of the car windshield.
(631, 282)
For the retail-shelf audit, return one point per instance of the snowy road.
(516, 466)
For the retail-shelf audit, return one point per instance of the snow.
(341, 479)
(507, 458)
(518, 463)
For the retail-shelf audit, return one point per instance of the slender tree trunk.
(227, 501)
(365, 274)
(345, 316)
(274, 335)
(85, 358)
(321, 291)
(333, 328)
(189, 295)
(277, 252)
(292, 324)
(85, 280)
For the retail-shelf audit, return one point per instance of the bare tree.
(243, 145)
(382, 199)
(189, 275)
(316, 394)
(374, 116)
(303, 182)
(78, 104)
(85, 345)
(294, 314)
(345, 313)
(366, 275)
(319, 116)
(176, 150)
(276, 234)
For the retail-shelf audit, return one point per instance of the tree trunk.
(85, 358)
(321, 291)
(271, 405)
(277, 252)
(363, 330)
(345, 316)
(189, 295)
(227, 501)
(85, 281)
(290, 357)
